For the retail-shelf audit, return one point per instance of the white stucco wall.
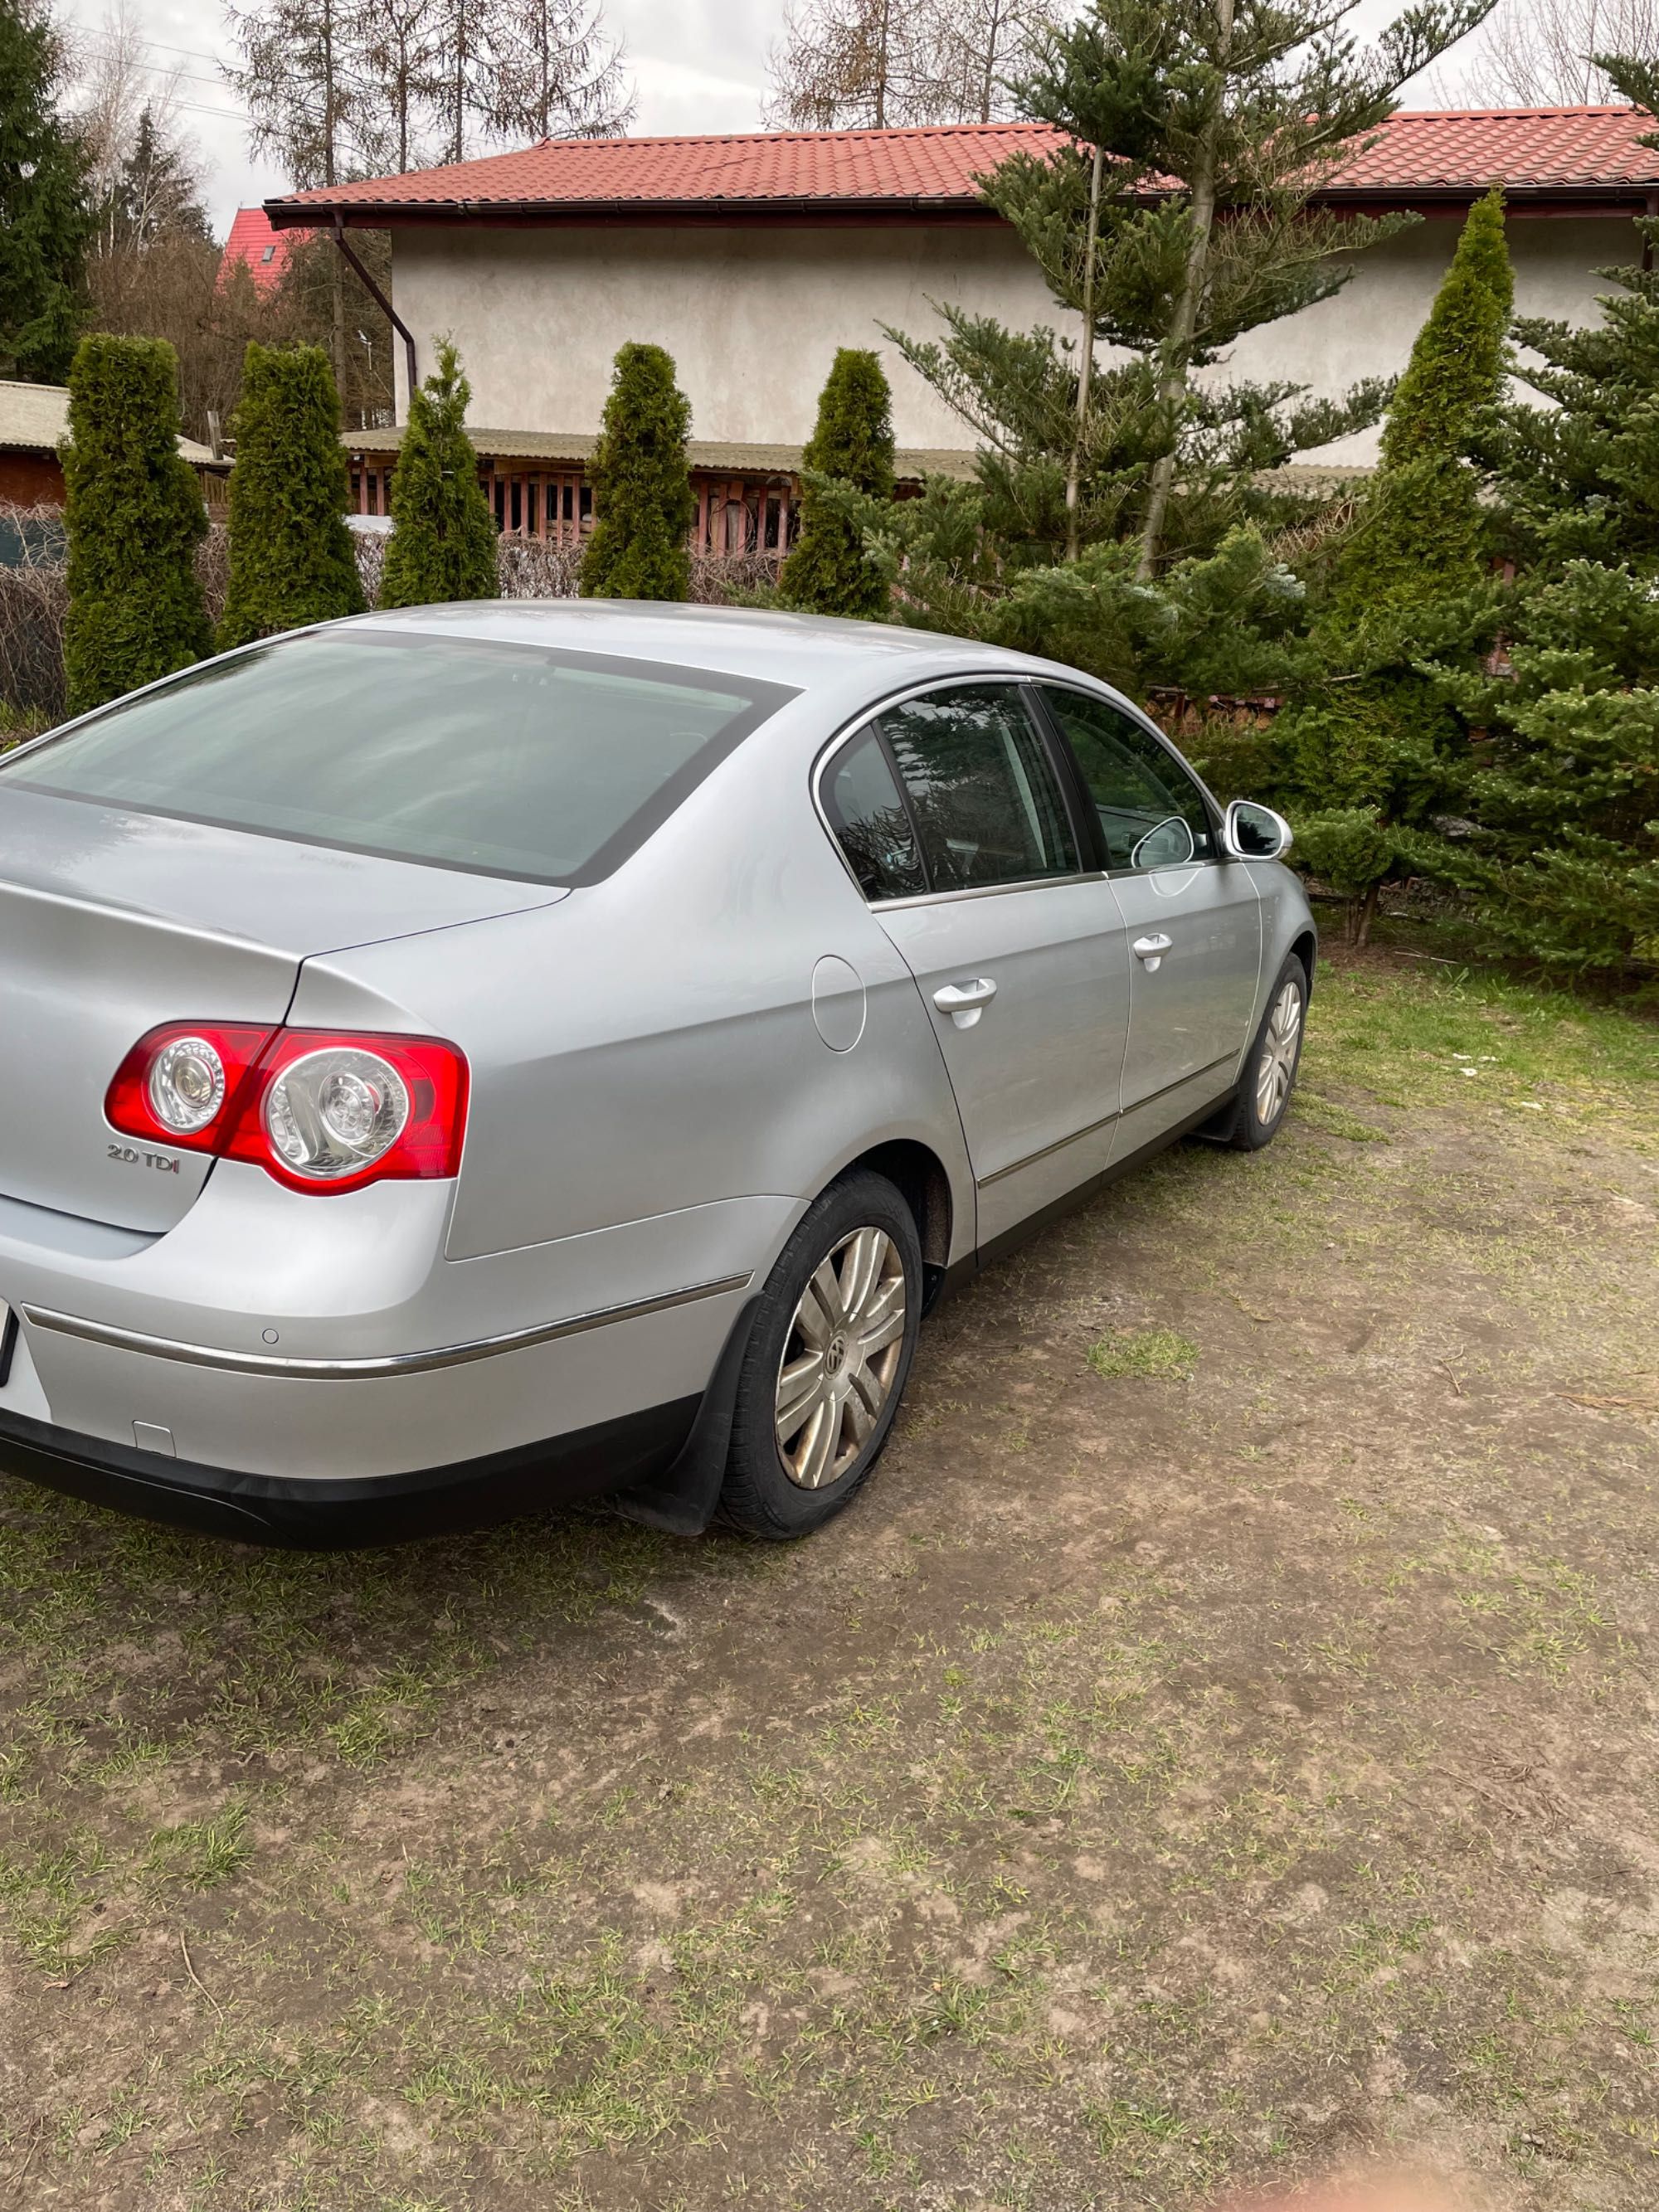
(753, 315)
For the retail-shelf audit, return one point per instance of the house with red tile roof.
(256, 246)
(752, 258)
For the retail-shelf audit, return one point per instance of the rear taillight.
(318, 1110)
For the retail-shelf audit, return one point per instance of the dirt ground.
(1218, 1751)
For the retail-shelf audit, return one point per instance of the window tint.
(986, 804)
(506, 759)
(1153, 814)
(868, 817)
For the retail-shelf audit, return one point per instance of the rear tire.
(1268, 1081)
(827, 1361)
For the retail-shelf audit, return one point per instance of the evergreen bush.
(643, 503)
(291, 555)
(443, 542)
(134, 515)
(829, 573)
(45, 212)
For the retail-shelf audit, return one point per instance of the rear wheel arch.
(919, 1175)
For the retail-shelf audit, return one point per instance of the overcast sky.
(699, 65)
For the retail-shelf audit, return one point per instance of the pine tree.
(1252, 105)
(135, 517)
(443, 545)
(828, 572)
(45, 218)
(643, 503)
(291, 556)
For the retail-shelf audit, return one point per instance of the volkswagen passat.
(470, 1057)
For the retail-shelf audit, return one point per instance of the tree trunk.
(1365, 914)
(1178, 348)
(1085, 368)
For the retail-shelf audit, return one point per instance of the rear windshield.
(498, 759)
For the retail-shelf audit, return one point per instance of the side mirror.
(1253, 832)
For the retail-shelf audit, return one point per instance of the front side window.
(494, 758)
(868, 817)
(983, 792)
(1153, 814)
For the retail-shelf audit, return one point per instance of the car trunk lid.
(113, 922)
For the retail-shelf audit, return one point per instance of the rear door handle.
(1152, 950)
(965, 1002)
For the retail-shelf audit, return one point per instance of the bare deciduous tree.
(1540, 54)
(880, 64)
(558, 75)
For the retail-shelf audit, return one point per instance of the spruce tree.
(643, 503)
(292, 561)
(45, 218)
(443, 542)
(828, 572)
(1559, 840)
(135, 517)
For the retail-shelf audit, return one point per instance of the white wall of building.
(753, 314)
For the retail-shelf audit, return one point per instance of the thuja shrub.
(134, 515)
(291, 556)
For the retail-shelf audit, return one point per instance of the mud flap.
(682, 1498)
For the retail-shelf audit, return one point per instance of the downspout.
(350, 253)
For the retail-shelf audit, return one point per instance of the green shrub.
(291, 555)
(135, 517)
(828, 572)
(643, 503)
(1351, 849)
(443, 544)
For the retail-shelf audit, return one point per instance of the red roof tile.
(1574, 150)
(261, 250)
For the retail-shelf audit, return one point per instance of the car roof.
(806, 652)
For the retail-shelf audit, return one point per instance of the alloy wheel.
(1276, 1070)
(840, 1357)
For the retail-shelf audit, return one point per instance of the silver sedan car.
(463, 1060)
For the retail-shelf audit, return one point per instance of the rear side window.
(867, 815)
(982, 791)
(498, 759)
(1151, 812)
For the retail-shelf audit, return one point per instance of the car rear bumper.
(334, 1513)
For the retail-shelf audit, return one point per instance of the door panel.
(1193, 918)
(1189, 1014)
(954, 822)
(1035, 1074)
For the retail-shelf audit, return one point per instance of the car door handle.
(965, 1002)
(1152, 950)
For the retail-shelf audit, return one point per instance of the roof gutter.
(1624, 196)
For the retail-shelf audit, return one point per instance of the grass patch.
(1158, 1355)
(1335, 1120)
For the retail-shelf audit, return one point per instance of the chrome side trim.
(984, 1183)
(274, 1366)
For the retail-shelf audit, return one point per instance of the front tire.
(827, 1361)
(1270, 1067)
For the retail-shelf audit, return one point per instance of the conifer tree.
(1420, 531)
(1368, 757)
(45, 216)
(828, 572)
(443, 541)
(135, 517)
(643, 503)
(291, 556)
(1559, 841)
